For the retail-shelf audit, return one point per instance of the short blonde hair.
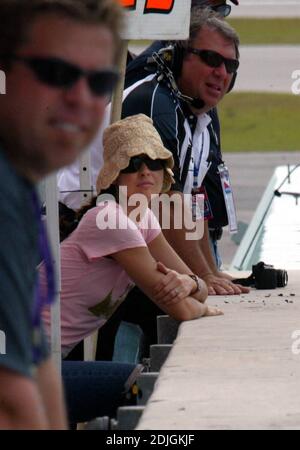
(16, 17)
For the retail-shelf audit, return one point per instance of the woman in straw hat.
(110, 251)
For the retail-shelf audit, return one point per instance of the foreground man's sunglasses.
(59, 73)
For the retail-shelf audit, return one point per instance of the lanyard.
(197, 165)
(41, 298)
(197, 197)
(228, 198)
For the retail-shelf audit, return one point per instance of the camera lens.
(282, 278)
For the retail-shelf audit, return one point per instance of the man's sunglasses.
(214, 59)
(136, 163)
(224, 10)
(58, 73)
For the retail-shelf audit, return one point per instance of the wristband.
(197, 281)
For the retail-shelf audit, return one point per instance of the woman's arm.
(141, 267)
(183, 285)
(162, 251)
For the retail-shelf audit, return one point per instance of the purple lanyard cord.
(42, 299)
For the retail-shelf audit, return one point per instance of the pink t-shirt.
(93, 285)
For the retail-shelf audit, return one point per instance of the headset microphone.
(197, 103)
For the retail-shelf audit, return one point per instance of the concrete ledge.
(237, 371)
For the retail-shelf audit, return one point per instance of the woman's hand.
(213, 311)
(174, 287)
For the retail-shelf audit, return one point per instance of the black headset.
(173, 55)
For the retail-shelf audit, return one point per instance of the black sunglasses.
(136, 163)
(214, 59)
(224, 10)
(58, 73)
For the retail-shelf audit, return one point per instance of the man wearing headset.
(138, 68)
(189, 84)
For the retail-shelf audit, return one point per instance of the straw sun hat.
(130, 137)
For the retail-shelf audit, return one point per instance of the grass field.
(260, 122)
(267, 31)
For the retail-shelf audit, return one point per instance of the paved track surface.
(268, 68)
(267, 8)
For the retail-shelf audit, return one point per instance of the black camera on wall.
(266, 277)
